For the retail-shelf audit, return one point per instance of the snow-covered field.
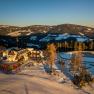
(88, 61)
(49, 37)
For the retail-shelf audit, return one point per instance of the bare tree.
(80, 74)
(76, 62)
(51, 49)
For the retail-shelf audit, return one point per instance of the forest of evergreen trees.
(75, 46)
(62, 45)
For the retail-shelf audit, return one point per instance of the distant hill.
(19, 31)
(63, 28)
(73, 29)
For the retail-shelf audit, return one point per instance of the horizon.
(44, 25)
(46, 12)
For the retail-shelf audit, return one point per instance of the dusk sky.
(43, 12)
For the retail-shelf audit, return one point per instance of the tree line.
(74, 46)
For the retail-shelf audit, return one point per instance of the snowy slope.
(35, 81)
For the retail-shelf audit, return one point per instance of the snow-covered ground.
(89, 64)
(32, 45)
(49, 37)
(34, 80)
(33, 37)
(87, 61)
(24, 84)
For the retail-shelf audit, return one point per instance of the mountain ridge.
(61, 28)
